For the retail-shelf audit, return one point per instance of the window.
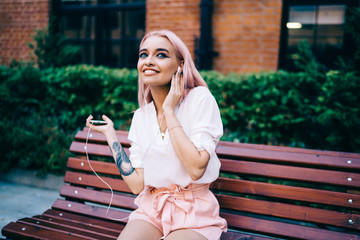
(320, 23)
(108, 32)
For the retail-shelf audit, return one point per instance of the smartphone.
(98, 122)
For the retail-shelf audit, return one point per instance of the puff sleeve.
(206, 126)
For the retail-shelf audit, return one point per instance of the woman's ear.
(182, 64)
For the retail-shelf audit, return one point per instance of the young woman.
(173, 137)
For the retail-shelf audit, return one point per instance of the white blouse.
(199, 116)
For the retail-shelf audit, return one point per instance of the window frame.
(99, 10)
(347, 46)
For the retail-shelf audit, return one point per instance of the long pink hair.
(191, 76)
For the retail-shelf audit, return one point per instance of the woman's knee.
(138, 230)
(185, 234)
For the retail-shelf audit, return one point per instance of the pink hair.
(191, 76)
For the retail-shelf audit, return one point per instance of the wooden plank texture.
(93, 181)
(24, 231)
(74, 229)
(100, 167)
(100, 197)
(287, 192)
(292, 173)
(91, 211)
(107, 225)
(351, 162)
(289, 211)
(82, 227)
(284, 230)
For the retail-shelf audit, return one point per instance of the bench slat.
(88, 220)
(232, 235)
(282, 148)
(94, 181)
(287, 192)
(98, 166)
(24, 231)
(74, 229)
(288, 211)
(291, 173)
(290, 157)
(93, 149)
(100, 138)
(89, 210)
(282, 229)
(119, 200)
(80, 226)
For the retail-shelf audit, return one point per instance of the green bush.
(52, 50)
(339, 112)
(43, 109)
(294, 109)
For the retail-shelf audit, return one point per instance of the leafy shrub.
(42, 109)
(52, 50)
(318, 110)
(339, 113)
(352, 27)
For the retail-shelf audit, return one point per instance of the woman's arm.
(194, 161)
(134, 177)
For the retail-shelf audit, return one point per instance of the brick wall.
(246, 35)
(180, 16)
(246, 32)
(18, 20)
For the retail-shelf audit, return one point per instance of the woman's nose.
(149, 61)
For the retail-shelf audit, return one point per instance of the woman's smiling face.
(157, 61)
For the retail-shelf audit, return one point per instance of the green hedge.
(292, 109)
(42, 109)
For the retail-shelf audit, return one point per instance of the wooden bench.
(265, 192)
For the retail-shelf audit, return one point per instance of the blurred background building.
(224, 35)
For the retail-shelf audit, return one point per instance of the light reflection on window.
(322, 26)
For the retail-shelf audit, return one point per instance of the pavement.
(24, 194)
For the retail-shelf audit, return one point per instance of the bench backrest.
(270, 191)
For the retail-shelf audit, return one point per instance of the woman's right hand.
(104, 129)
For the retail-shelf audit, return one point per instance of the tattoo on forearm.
(122, 161)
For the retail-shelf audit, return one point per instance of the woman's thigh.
(182, 234)
(139, 230)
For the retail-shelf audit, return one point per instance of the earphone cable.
(111, 190)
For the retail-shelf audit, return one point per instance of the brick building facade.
(18, 20)
(246, 34)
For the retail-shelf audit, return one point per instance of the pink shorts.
(193, 207)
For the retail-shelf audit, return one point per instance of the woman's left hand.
(175, 93)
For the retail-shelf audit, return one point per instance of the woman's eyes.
(160, 55)
(142, 55)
